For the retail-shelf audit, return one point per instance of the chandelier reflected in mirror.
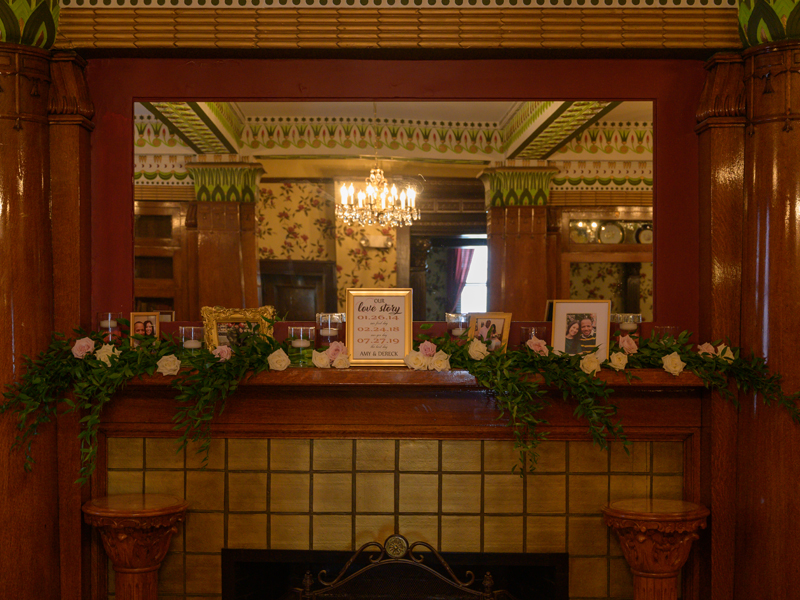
(378, 203)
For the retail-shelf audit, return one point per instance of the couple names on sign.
(379, 325)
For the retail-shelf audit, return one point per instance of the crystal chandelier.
(378, 204)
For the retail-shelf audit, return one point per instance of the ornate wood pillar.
(28, 501)
(720, 130)
(768, 502)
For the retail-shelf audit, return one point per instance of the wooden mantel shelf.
(399, 403)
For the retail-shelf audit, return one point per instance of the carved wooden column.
(29, 558)
(720, 130)
(136, 530)
(656, 537)
(768, 502)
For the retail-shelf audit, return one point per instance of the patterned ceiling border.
(406, 28)
(612, 139)
(357, 4)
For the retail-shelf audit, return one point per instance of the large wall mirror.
(263, 179)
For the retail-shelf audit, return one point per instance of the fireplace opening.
(395, 570)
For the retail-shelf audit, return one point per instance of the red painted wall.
(673, 85)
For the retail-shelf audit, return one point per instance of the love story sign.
(379, 325)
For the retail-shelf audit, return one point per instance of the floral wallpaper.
(295, 221)
(605, 281)
(357, 266)
(436, 285)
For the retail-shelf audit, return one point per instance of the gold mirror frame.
(214, 315)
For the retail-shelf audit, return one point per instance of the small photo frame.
(144, 323)
(230, 326)
(166, 316)
(580, 325)
(494, 326)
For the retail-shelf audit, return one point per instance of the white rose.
(320, 359)
(725, 353)
(341, 362)
(415, 360)
(618, 360)
(477, 349)
(105, 352)
(169, 365)
(440, 361)
(278, 360)
(673, 363)
(590, 364)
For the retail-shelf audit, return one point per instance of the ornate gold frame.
(474, 318)
(212, 315)
(406, 331)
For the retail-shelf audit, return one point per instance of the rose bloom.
(477, 349)
(724, 352)
(335, 349)
(105, 352)
(278, 361)
(590, 364)
(427, 349)
(82, 347)
(618, 361)
(415, 360)
(169, 365)
(538, 346)
(673, 363)
(628, 345)
(440, 362)
(320, 360)
(341, 362)
(223, 353)
(706, 350)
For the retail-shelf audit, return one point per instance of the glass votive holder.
(108, 325)
(330, 328)
(301, 345)
(529, 332)
(192, 338)
(457, 323)
(627, 322)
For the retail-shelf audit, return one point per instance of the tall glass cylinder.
(330, 328)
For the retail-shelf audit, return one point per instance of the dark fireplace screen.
(395, 570)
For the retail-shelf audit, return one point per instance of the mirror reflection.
(236, 202)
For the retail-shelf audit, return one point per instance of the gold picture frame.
(140, 321)
(216, 317)
(379, 325)
(494, 325)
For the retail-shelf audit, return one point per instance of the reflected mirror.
(236, 202)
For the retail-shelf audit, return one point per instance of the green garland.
(56, 378)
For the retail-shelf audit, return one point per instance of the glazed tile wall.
(339, 494)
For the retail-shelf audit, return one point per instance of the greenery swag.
(57, 380)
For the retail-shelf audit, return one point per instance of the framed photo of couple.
(580, 325)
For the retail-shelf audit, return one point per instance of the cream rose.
(618, 361)
(590, 364)
(628, 345)
(320, 359)
(427, 349)
(477, 349)
(335, 349)
(341, 362)
(223, 353)
(415, 360)
(725, 353)
(537, 346)
(278, 361)
(707, 350)
(673, 363)
(169, 365)
(105, 352)
(83, 347)
(440, 362)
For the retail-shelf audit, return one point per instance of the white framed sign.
(379, 325)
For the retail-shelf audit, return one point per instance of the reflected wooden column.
(516, 228)
(29, 554)
(720, 130)
(768, 502)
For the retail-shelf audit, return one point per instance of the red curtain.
(460, 260)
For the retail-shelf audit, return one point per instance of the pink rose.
(427, 349)
(82, 347)
(707, 349)
(335, 349)
(627, 344)
(537, 346)
(223, 353)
